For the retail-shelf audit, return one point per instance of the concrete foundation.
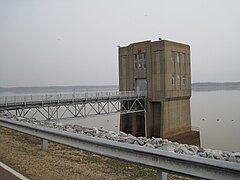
(191, 137)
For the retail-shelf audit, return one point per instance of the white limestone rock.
(148, 145)
(59, 125)
(157, 143)
(130, 141)
(193, 148)
(140, 142)
(20, 118)
(123, 134)
(236, 154)
(168, 148)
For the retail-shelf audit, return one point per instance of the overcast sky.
(74, 42)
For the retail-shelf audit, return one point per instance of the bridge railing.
(73, 96)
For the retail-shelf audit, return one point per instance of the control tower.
(163, 69)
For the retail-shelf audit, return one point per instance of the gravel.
(156, 143)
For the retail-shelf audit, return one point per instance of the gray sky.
(74, 42)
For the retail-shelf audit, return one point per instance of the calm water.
(216, 113)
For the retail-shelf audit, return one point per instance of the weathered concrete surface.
(164, 70)
(191, 137)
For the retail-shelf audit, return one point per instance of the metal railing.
(5, 101)
(83, 105)
(154, 158)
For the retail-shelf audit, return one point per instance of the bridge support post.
(44, 145)
(145, 118)
(161, 175)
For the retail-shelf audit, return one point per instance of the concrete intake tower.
(163, 69)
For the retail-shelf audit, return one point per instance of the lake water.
(215, 113)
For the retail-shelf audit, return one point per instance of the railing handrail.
(69, 96)
(157, 159)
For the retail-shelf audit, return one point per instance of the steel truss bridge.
(58, 106)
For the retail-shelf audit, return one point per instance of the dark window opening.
(140, 60)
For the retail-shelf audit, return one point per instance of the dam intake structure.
(162, 68)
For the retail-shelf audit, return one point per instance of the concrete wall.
(176, 117)
(168, 76)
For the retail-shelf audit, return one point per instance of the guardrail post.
(161, 175)
(25, 100)
(6, 101)
(44, 145)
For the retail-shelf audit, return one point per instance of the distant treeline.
(213, 86)
(203, 86)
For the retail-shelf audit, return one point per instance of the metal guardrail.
(157, 159)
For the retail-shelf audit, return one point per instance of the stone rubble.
(157, 143)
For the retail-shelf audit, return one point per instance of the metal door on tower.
(141, 85)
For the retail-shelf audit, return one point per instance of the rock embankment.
(157, 143)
